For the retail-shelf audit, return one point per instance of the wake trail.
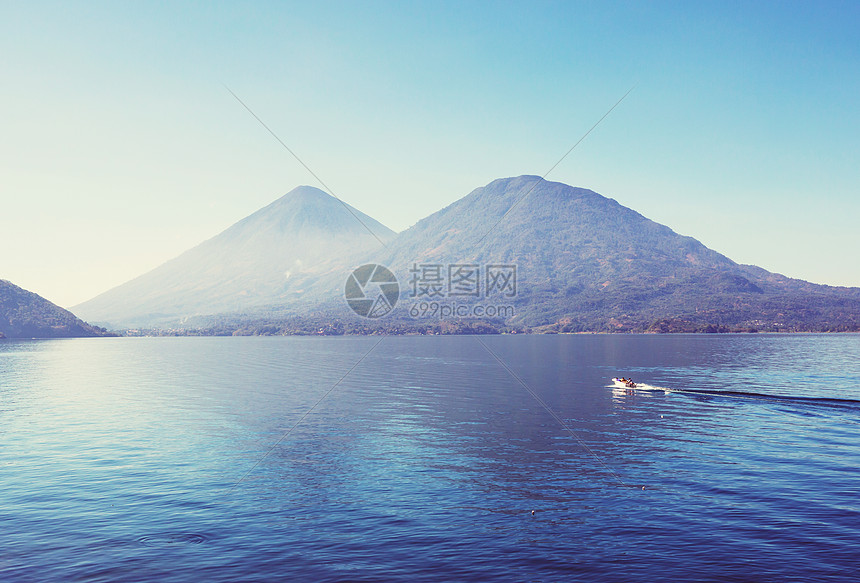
(840, 402)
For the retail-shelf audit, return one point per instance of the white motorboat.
(623, 383)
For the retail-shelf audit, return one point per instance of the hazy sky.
(121, 148)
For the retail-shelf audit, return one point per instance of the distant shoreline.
(197, 334)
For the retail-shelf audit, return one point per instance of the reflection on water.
(169, 459)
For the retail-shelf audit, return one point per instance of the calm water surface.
(413, 458)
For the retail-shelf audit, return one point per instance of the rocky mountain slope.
(589, 263)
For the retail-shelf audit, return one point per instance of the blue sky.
(121, 147)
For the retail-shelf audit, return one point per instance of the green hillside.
(24, 314)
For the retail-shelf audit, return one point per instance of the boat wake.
(793, 399)
(844, 403)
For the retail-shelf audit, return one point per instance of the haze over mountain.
(264, 259)
(24, 314)
(583, 261)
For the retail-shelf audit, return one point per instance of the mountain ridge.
(584, 263)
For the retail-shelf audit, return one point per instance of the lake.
(455, 458)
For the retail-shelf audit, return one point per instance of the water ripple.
(167, 539)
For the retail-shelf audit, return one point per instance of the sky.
(121, 145)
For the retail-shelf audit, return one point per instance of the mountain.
(265, 259)
(24, 314)
(585, 262)
(582, 262)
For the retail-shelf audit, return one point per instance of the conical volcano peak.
(307, 193)
(520, 198)
(309, 208)
(528, 184)
(514, 182)
(302, 198)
